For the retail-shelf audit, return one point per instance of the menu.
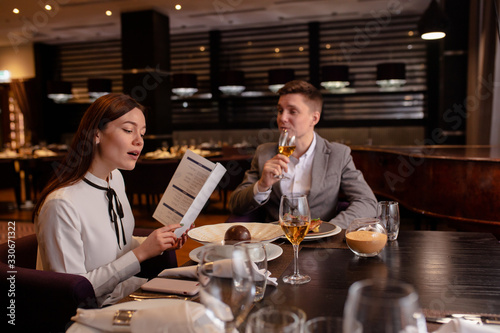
(189, 189)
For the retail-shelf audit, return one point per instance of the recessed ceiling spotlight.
(109, 13)
(48, 7)
(15, 11)
(202, 48)
(178, 7)
(277, 50)
(301, 48)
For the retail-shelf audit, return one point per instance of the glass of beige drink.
(366, 237)
(295, 219)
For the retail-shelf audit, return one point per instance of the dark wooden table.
(453, 272)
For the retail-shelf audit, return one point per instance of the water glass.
(388, 214)
(273, 320)
(324, 325)
(258, 256)
(388, 306)
(299, 312)
(227, 287)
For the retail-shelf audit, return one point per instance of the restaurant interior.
(421, 116)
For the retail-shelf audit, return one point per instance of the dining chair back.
(39, 301)
(148, 181)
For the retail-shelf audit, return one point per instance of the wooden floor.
(213, 213)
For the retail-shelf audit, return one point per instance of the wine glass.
(388, 214)
(227, 286)
(387, 306)
(286, 146)
(295, 219)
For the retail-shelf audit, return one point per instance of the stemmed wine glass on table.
(295, 219)
(286, 146)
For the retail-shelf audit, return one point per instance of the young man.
(317, 167)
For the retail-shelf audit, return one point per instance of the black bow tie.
(111, 195)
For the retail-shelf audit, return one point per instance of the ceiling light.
(232, 82)
(109, 13)
(59, 91)
(278, 77)
(433, 23)
(98, 87)
(48, 7)
(391, 75)
(15, 11)
(335, 77)
(178, 7)
(184, 84)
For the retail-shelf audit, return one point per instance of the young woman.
(83, 219)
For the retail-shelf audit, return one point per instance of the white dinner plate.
(273, 251)
(214, 233)
(140, 305)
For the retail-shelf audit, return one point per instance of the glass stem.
(295, 260)
(229, 327)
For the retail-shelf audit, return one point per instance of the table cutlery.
(480, 320)
(144, 297)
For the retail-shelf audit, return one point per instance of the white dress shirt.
(75, 235)
(299, 175)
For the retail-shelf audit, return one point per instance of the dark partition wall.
(146, 66)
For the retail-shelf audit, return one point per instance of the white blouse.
(75, 235)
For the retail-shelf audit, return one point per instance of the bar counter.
(455, 184)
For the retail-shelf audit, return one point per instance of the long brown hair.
(77, 161)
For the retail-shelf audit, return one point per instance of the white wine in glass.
(295, 219)
(286, 150)
(286, 146)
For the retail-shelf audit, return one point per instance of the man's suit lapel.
(319, 168)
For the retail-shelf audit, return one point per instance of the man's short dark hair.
(304, 88)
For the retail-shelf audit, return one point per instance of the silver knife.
(495, 320)
(480, 320)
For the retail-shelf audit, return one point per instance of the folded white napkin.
(459, 325)
(222, 268)
(181, 316)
